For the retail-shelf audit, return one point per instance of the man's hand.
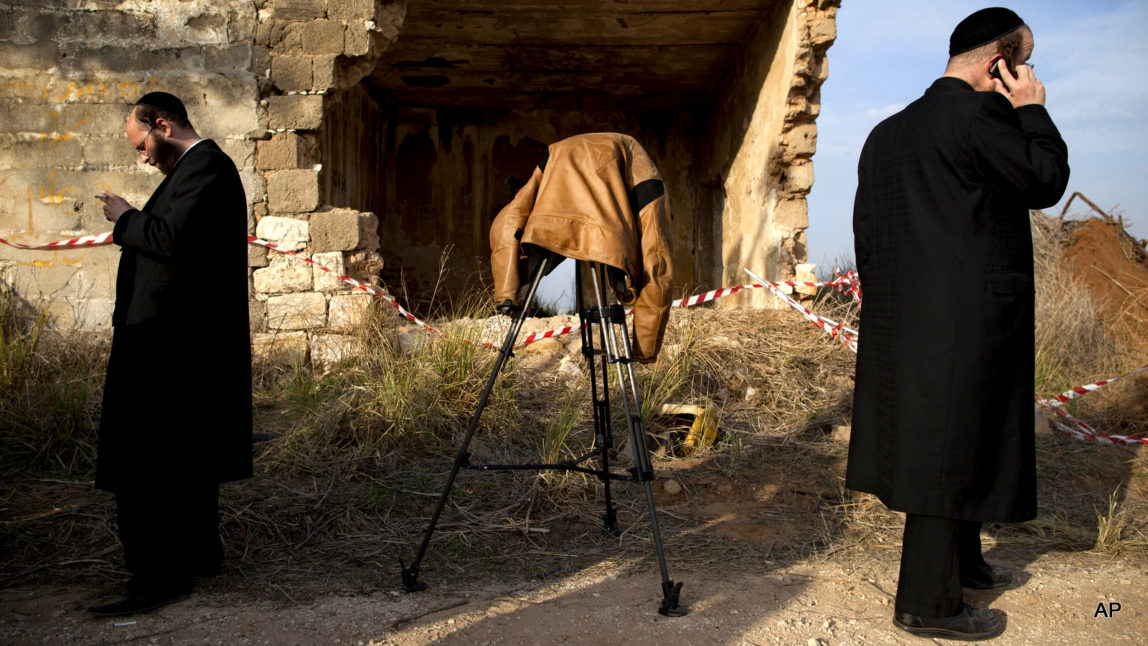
(114, 205)
(1022, 89)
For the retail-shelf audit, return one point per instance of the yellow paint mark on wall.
(52, 195)
(43, 263)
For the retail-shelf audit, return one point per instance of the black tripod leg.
(616, 340)
(603, 436)
(411, 573)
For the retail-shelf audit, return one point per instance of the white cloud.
(886, 111)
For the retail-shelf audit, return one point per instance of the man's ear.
(163, 125)
(997, 59)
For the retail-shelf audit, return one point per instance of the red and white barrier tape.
(83, 241)
(104, 239)
(836, 330)
(1078, 429)
(350, 281)
(847, 282)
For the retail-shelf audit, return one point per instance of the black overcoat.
(943, 407)
(177, 400)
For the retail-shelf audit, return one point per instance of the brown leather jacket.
(595, 197)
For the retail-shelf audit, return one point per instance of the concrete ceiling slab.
(569, 54)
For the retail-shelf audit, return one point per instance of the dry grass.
(50, 385)
(357, 457)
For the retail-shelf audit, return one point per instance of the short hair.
(1009, 46)
(161, 105)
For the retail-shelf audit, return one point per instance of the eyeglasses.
(143, 142)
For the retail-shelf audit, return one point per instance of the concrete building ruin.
(374, 134)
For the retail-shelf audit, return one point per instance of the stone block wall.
(254, 76)
(275, 82)
(69, 71)
(761, 156)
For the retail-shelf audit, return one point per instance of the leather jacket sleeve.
(652, 309)
(505, 249)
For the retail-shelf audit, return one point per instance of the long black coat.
(943, 407)
(177, 400)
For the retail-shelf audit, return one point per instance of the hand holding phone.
(1022, 87)
(995, 71)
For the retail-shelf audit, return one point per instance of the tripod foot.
(670, 607)
(610, 523)
(411, 581)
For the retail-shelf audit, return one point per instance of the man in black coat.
(176, 416)
(943, 407)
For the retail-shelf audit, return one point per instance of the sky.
(1091, 56)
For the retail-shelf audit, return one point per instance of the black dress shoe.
(137, 602)
(969, 624)
(988, 577)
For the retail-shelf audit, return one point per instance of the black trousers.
(934, 553)
(170, 535)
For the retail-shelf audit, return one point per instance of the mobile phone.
(995, 70)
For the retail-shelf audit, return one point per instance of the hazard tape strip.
(836, 330)
(846, 282)
(1078, 429)
(83, 241)
(104, 239)
(350, 281)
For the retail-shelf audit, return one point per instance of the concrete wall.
(760, 163)
(334, 169)
(70, 70)
(438, 177)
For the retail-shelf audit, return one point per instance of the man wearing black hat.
(176, 415)
(943, 410)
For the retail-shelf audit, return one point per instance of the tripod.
(613, 349)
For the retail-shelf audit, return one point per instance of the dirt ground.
(845, 600)
(768, 545)
(763, 553)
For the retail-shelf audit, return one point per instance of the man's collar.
(193, 145)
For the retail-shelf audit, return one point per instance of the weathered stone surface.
(352, 10)
(344, 230)
(298, 9)
(349, 312)
(328, 281)
(297, 311)
(280, 348)
(357, 39)
(296, 111)
(256, 256)
(93, 313)
(293, 191)
(805, 273)
(791, 214)
(323, 37)
(801, 139)
(328, 350)
(284, 274)
(256, 314)
(323, 72)
(798, 177)
(290, 73)
(279, 152)
(288, 233)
